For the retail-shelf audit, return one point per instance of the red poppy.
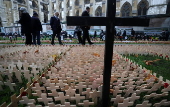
(34, 83)
(43, 75)
(166, 85)
(24, 93)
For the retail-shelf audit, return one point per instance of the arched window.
(60, 6)
(143, 7)
(98, 0)
(68, 3)
(77, 13)
(168, 8)
(126, 9)
(77, 2)
(98, 11)
(87, 1)
(34, 4)
(53, 7)
(21, 1)
(45, 10)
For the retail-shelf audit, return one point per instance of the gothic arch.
(126, 9)
(60, 6)
(76, 2)
(21, 1)
(34, 4)
(98, 0)
(53, 7)
(45, 10)
(77, 13)
(143, 7)
(68, 3)
(98, 11)
(168, 7)
(86, 1)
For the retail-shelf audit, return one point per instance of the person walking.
(86, 28)
(36, 28)
(56, 28)
(166, 35)
(25, 21)
(95, 35)
(15, 35)
(78, 31)
(101, 35)
(132, 33)
(124, 34)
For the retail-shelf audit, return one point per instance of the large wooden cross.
(110, 21)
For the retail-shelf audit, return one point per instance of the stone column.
(118, 9)
(72, 11)
(50, 10)
(134, 7)
(64, 12)
(15, 12)
(3, 14)
(41, 14)
(30, 8)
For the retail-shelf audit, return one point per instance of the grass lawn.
(158, 65)
(6, 93)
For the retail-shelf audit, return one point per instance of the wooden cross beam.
(103, 21)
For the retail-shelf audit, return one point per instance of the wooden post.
(111, 9)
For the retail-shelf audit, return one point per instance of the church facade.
(9, 14)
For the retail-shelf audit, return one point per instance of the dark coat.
(132, 32)
(124, 33)
(35, 24)
(25, 22)
(85, 13)
(55, 24)
(167, 33)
